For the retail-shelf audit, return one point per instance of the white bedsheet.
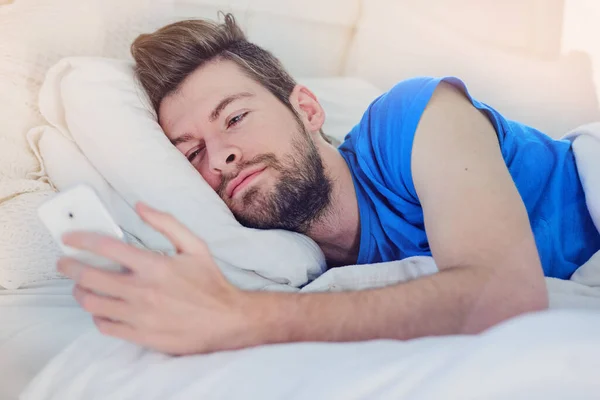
(36, 323)
(40, 321)
(550, 355)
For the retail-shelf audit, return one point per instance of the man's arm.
(477, 228)
(474, 216)
(457, 301)
(478, 231)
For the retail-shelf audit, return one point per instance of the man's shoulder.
(382, 142)
(406, 92)
(388, 116)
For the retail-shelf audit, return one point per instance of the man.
(428, 171)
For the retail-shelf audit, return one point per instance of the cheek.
(212, 179)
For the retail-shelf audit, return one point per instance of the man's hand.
(177, 305)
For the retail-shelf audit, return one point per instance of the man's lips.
(242, 180)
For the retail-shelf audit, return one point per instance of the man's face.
(249, 147)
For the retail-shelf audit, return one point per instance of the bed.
(49, 346)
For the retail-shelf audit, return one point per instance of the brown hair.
(165, 58)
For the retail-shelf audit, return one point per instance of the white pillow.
(95, 103)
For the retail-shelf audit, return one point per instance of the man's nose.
(224, 159)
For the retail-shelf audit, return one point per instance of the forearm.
(460, 300)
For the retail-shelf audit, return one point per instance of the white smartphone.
(80, 209)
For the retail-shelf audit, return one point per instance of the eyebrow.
(225, 102)
(182, 139)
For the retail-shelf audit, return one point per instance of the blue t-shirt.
(378, 153)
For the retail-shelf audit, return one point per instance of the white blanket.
(586, 147)
(551, 355)
(583, 290)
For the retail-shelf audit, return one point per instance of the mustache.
(268, 159)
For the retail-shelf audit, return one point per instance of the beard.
(300, 197)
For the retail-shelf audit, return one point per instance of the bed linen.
(550, 355)
(586, 147)
(38, 321)
(41, 320)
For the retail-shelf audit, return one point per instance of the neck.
(337, 232)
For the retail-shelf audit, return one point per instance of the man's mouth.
(244, 178)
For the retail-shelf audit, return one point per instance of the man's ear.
(306, 104)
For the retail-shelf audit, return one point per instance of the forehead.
(202, 91)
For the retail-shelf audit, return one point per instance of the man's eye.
(237, 119)
(194, 154)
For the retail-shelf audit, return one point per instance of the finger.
(102, 306)
(178, 234)
(111, 283)
(116, 329)
(124, 331)
(163, 343)
(111, 248)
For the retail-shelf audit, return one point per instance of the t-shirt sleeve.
(386, 134)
